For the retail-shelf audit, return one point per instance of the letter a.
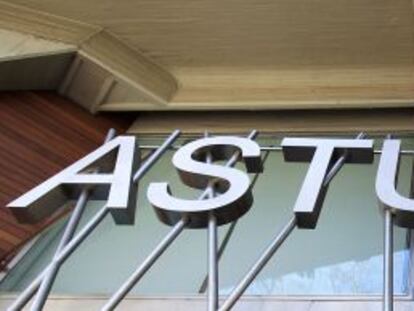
(116, 156)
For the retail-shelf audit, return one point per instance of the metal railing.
(43, 282)
(40, 288)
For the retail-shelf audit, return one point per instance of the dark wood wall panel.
(40, 134)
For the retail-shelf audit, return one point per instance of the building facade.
(75, 76)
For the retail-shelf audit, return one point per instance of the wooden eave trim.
(376, 121)
(392, 86)
(35, 55)
(44, 25)
(98, 46)
(263, 105)
(129, 65)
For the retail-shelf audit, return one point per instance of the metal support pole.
(220, 252)
(388, 269)
(276, 243)
(160, 248)
(388, 303)
(145, 266)
(68, 244)
(48, 280)
(68, 233)
(230, 230)
(253, 134)
(213, 273)
(258, 266)
(28, 293)
(70, 247)
(156, 155)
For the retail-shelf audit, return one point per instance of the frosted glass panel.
(342, 256)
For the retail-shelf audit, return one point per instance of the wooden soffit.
(374, 121)
(231, 55)
(34, 146)
(102, 69)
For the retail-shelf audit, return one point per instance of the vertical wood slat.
(40, 134)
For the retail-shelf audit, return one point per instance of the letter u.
(385, 185)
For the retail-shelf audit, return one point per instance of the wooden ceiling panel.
(309, 88)
(301, 122)
(14, 44)
(252, 33)
(243, 55)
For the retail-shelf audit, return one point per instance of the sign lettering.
(233, 198)
(116, 155)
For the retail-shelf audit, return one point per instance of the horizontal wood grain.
(251, 33)
(239, 55)
(15, 44)
(43, 25)
(40, 134)
(130, 65)
(285, 122)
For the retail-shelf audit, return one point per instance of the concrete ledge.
(195, 303)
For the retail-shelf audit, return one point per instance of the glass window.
(343, 256)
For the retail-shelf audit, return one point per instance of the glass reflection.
(341, 257)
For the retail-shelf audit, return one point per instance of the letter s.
(234, 196)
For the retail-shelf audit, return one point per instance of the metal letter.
(322, 153)
(234, 196)
(116, 156)
(385, 184)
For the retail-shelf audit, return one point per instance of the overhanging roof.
(232, 55)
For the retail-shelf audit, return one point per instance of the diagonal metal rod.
(68, 249)
(156, 155)
(275, 244)
(259, 265)
(231, 162)
(145, 266)
(212, 277)
(230, 230)
(117, 297)
(28, 293)
(68, 233)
